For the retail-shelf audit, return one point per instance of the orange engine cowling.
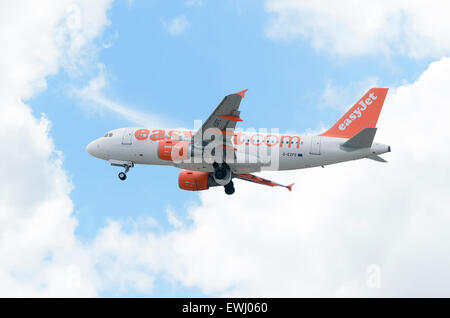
(173, 150)
(193, 180)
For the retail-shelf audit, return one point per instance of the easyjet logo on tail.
(358, 112)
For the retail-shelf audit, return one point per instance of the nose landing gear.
(125, 164)
(123, 175)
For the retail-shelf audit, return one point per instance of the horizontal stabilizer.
(376, 158)
(363, 139)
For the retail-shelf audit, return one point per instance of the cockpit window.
(108, 135)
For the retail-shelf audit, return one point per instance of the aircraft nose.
(93, 148)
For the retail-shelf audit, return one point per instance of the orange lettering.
(157, 135)
(141, 134)
(258, 141)
(290, 140)
(269, 144)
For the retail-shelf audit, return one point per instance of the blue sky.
(180, 76)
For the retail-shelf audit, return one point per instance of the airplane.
(217, 153)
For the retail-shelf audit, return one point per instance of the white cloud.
(177, 25)
(93, 97)
(353, 28)
(339, 224)
(173, 218)
(123, 269)
(39, 253)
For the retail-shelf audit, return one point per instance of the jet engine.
(194, 180)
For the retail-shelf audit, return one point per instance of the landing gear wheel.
(220, 172)
(125, 164)
(229, 188)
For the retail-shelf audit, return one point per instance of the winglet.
(289, 187)
(242, 93)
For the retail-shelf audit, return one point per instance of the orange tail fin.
(363, 114)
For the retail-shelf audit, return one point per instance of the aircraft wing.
(225, 116)
(252, 178)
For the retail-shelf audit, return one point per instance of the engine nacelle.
(193, 180)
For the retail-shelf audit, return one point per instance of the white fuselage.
(253, 151)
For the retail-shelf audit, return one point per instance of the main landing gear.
(229, 188)
(223, 176)
(220, 172)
